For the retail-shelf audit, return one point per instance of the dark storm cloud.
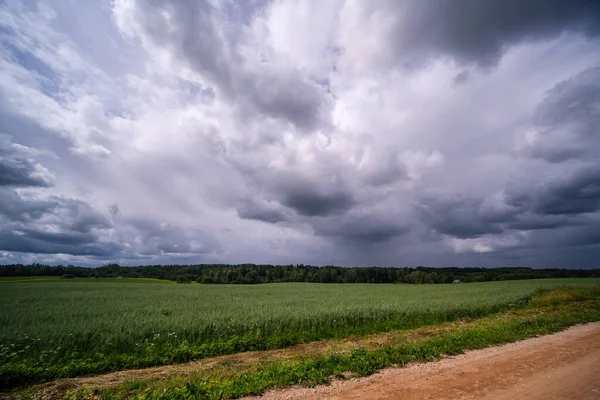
(286, 96)
(251, 209)
(52, 226)
(301, 193)
(361, 229)
(202, 36)
(564, 237)
(29, 132)
(79, 216)
(16, 169)
(64, 238)
(461, 77)
(331, 128)
(19, 172)
(552, 206)
(475, 31)
(591, 237)
(563, 206)
(14, 207)
(577, 193)
(61, 225)
(567, 122)
(55, 243)
(558, 207)
(189, 29)
(312, 204)
(470, 218)
(464, 218)
(388, 170)
(532, 222)
(309, 200)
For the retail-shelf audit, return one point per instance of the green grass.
(543, 316)
(76, 327)
(17, 279)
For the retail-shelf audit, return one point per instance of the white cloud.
(297, 131)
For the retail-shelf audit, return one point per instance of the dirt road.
(560, 366)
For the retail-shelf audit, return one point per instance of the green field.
(59, 328)
(28, 279)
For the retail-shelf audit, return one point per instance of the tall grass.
(548, 312)
(70, 328)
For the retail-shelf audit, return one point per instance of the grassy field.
(96, 280)
(545, 313)
(16, 279)
(60, 328)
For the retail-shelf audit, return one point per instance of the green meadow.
(53, 328)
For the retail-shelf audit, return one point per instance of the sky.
(344, 132)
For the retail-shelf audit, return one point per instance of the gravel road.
(565, 366)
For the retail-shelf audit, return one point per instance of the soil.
(565, 365)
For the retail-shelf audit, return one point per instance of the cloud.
(470, 31)
(363, 229)
(14, 207)
(58, 225)
(201, 34)
(465, 218)
(53, 225)
(33, 223)
(17, 169)
(461, 77)
(264, 211)
(578, 193)
(55, 243)
(568, 120)
(390, 133)
(310, 201)
(146, 238)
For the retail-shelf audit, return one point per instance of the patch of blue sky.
(47, 80)
(242, 12)
(197, 92)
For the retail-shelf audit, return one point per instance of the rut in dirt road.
(565, 365)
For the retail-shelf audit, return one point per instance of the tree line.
(263, 273)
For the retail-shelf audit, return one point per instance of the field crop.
(52, 329)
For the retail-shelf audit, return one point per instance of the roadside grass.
(545, 312)
(70, 328)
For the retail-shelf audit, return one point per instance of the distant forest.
(253, 274)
